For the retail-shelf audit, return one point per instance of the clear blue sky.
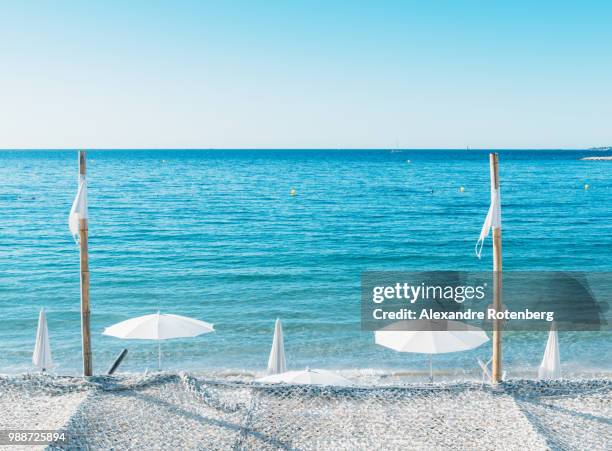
(424, 74)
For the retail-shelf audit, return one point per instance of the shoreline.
(180, 410)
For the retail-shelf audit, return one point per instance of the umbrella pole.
(430, 369)
(496, 365)
(83, 230)
(158, 354)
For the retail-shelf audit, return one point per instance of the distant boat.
(396, 149)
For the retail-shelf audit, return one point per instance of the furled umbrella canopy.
(550, 368)
(276, 361)
(41, 357)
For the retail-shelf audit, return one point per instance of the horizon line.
(467, 149)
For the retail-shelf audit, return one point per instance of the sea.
(239, 238)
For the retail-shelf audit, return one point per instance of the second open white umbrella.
(158, 326)
(430, 337)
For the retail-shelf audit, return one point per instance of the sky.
(288, 74)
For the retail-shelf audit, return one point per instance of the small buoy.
(462, 189)
(293, 192)
(586, 186)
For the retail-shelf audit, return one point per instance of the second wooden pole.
(496, 370)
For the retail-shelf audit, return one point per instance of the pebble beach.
(189, 411)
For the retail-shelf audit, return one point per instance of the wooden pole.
(496, 370)
(84, 257)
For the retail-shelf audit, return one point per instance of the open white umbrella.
(158, 326)
(550, 368)
(41, 357)
(431, 337)
(276, 361)
(306, 377)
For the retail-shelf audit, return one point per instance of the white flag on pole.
(493, 220)
(79, 208)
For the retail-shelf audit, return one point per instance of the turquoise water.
(217, 236)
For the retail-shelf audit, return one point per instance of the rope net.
(180, 411)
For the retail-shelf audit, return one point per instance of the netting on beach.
(180, 411)
(307, 417)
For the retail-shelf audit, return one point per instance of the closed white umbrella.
(158, 326)
(550, 368)
(453, 337)
(306, 377)
(276, 361)
(41, 357)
